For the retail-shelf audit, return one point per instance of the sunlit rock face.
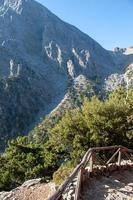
(125, 79)
(41, 57)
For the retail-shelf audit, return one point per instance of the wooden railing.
(89, 158)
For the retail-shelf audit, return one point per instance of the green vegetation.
(17, 110)
(62, 173)
(22, 161)
(60, 143)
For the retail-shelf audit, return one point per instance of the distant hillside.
(42, 57)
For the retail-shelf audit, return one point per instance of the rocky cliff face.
(123, 58)
(41, 57)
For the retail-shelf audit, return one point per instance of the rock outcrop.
(30, 190)
(41, 58)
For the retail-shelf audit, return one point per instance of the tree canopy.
(95, 123)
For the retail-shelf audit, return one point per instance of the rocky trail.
(118, 186)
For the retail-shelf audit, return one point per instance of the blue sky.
(109, 22)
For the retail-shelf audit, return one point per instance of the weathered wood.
(57, 195)
(80, 176)
(78, 186)
(119, 158)
(127, 150)
(88, 158)
(112, 157)
(61, 189)
(130, 150)
(107, 148)
(91, 162)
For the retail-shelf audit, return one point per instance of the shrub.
(62, 173)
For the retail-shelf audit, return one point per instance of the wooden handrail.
(61, 189)
(57, 195)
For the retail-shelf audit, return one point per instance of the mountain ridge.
(41, 58)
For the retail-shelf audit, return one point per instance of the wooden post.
(91, 162)
(78, 186)
(119, 158)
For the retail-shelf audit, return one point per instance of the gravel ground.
(118, 186)
(34, 192)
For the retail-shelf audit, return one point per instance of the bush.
(96, 123)
(62, 173)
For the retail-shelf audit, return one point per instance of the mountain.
(42, 57)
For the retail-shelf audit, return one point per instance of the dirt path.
(119, 186)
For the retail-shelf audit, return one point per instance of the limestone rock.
(41, 58)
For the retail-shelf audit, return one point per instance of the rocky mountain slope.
(41, 58)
